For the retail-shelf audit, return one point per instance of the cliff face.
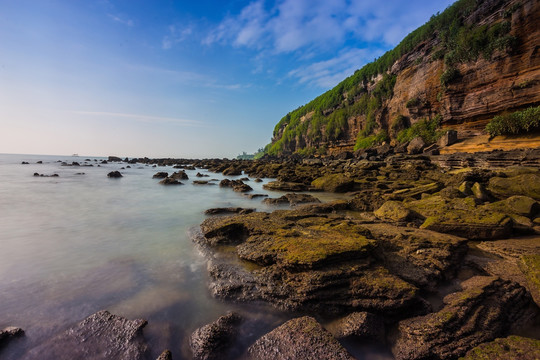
(428, 82)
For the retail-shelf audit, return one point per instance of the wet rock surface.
(212, 341)
(99, 336)
(359, 325)
(487, 308)
(292, 199)
(300, 338)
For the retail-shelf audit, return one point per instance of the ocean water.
(78, 243)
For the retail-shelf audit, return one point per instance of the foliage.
(413, 102)
(449, 75)
(427, 129)
(325, 117)
(400, 122)
(369, 141)
(518, 122)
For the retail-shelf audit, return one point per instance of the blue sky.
(164, 78)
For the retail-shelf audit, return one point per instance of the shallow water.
(75, 244)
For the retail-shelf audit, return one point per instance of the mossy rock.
(394, 211)
(334, 183)
(510, 348)
(524, 184)
(461, 217)
(530, 266)
(518, 204)
(416, 191)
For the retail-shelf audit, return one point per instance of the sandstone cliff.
(475, 60)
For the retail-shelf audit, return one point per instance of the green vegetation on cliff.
(362, 97)
(518, 122)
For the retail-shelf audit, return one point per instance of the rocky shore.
(426, 257)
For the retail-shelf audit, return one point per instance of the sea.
(81, 242)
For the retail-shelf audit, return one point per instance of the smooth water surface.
(81, 242)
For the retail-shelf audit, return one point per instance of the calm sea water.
(78, 243)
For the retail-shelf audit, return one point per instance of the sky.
(164, 78)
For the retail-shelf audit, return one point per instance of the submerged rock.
(488, 307)
(99, 336)
(213, 340)
(114, 174)
(298, 339)
(170, 181)
(229, 210)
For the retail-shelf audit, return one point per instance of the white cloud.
(330, 72)
(121, 20)
(176, 35)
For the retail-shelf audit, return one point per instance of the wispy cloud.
(328, 73)
(188, 77)
(121, 20)
(315, 29)
(176, 35)
(141, 118)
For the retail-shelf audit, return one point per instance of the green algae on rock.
(524, 184)
(334, 183)
(510, 348)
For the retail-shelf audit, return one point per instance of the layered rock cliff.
(476, 60)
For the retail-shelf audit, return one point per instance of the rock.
(253, 196)
(461, 217)
(39, 162)
(320, 262)
(292, 199)
(430, 150)
(416, 146)
(170, 181)
(165, 355)
(414, 192)
(334, 183)
(488, 307)
(530, 266)
(9, 333)
(394, 211)
(242, 188)
(450, 137)
(202, 182)
(258, 180)
(232, 171)
(179, 175)
(359, 325)
(510, 348)
(201, 175)
(213, 340)
(114, 158)
(160, 175)
(524, 184)
(230, 210)
(114, 174)
(298, 339)
(25, 163)
(99, 336)
(479, 192)
(466, 188)
(518, 205)
(284, 186)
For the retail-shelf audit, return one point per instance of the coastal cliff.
(474, 61)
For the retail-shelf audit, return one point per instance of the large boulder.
(524, 184)
(487, 308)
(334, 183)
(99, 336)
(327, 263)
(394, 211)
(298, 339)
(213, 340)
(416, 146)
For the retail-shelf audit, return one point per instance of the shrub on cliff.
(370, 141)
(427, 129)
(518, 122)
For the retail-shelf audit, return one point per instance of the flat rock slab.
(300, 338)
(99, 336)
